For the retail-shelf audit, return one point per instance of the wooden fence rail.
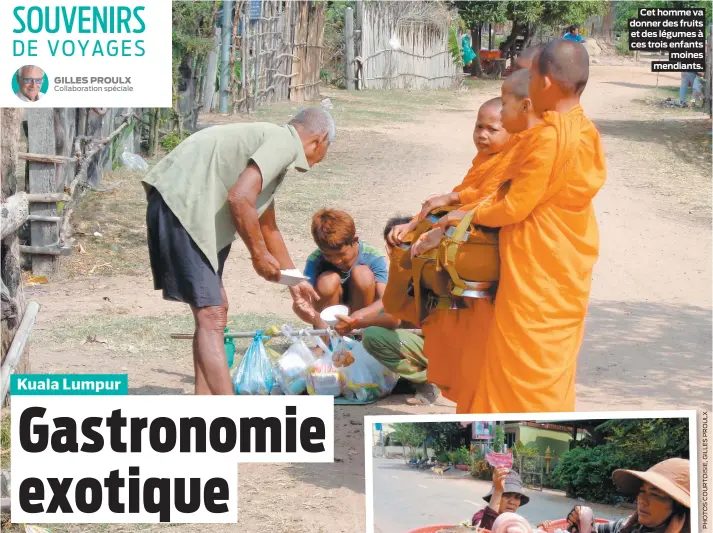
(18, 209)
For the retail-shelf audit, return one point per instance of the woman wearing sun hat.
(663, 500)
(504, 497)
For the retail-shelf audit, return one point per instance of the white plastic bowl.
(329, 315)
(291, 277)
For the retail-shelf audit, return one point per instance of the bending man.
(221, 180)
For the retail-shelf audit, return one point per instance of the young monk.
(443, 329)
(524, 60)
(549, 243)
(517, 116)
(490, 139)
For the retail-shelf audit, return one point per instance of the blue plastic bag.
(255, 375)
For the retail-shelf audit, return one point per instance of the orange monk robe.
(454, 339)
(549, 243)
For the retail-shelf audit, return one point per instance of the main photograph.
(413, 207)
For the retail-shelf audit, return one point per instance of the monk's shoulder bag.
(465, 264)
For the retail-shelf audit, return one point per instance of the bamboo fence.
(423, 59)
(277, 54)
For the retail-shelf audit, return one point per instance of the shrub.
(587, 472)
(444, 457)
(171, 140)
(480, 469)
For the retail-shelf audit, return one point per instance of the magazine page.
(309, 266)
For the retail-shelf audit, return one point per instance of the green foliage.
(446, 457)
(409, 434)
(333, 71)
(556, 14)
(443, 435)
(453, 46)
(498, 439)
(538, 12)
(461, 456)
(525, 450)
(171, 140)
(5, 441)
(585, 472)
(193, 27)
(622, 44)
(649, 440)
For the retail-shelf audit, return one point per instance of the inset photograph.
(30, 83)
(438, 474)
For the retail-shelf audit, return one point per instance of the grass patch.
(147, 335)
(5, 440)
(119, 216)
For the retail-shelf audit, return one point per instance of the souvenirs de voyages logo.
(120, 54)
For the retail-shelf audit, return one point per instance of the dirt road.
(406, 499)
(648, 340)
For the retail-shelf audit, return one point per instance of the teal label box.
(69, 384)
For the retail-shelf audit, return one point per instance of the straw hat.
(673, 476)
(512, 483)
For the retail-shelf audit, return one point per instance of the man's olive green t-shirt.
(195, 178)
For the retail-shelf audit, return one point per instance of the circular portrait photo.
(30, 83)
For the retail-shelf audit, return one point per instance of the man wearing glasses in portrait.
(30, 79)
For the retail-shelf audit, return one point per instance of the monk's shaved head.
(567, 63)
(494, 105)
(518, 84)
(526, 57)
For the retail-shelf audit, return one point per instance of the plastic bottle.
(229, 349)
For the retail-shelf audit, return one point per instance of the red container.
(435, 529)
(431, 529)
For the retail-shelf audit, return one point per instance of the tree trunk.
(608, 22)
(529, 34)
(507, 46)
(476, 32)
(13, 297)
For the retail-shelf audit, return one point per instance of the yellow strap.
(418, 263)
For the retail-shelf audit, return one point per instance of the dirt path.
(648, 340)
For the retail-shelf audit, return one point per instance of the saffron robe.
(454, 339)
(549, 243)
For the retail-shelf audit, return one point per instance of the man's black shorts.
(179, 267)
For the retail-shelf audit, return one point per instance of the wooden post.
(43, 179)
(349, 46)
(211, 73)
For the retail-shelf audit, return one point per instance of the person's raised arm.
(242, 202)
(527, 187)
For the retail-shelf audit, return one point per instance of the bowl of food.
(330, 314)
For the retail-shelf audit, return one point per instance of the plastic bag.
(323, 377)
(291, 368)
(133, 161)
(366, 379)
(254, 375)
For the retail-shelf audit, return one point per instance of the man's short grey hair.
(20, 71)
(316, 120)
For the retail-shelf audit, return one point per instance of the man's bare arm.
(242, 200)
(273, 238)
